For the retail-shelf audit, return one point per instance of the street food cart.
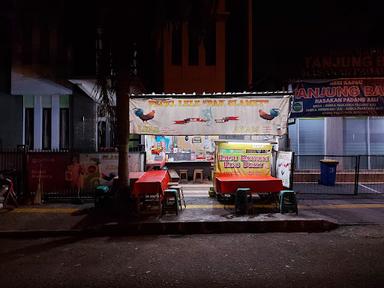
(239, 164)
(196, 118)
(244, 168)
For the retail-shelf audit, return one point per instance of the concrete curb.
(167, 228)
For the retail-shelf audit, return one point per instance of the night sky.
(288, 31)
(285, 32)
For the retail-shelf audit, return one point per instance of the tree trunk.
(122, 119)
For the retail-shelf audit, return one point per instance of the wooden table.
(152, 182)
(228, 184)
(148, 191)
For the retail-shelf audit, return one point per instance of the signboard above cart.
(243, 158)
(339, 97)
(214, 115)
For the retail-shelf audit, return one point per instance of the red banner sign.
(47, 169)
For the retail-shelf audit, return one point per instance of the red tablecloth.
(227, 184)
(152, 182)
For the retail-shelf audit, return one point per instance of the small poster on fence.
(284, 167)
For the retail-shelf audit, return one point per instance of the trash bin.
(103, 196)
(328, 172)
(241, 201)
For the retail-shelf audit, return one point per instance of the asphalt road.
(348, 257)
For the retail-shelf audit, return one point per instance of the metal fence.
(48, 179)
(69, 195)
(354, 175)
(357, 174)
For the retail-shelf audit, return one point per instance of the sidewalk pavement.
(202, 215)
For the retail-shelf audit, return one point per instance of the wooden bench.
(174, 176)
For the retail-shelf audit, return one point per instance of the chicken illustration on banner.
(274, 112)
(145, 117)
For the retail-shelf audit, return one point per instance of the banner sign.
(98, 169)
(47, 171)
(243, 158)
(59, 172)
(339, 97)
(344, 63)
(209, 116)
(284, 167)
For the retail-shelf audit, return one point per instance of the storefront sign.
(209, 116)
(345, 63)
(339, 97)
(284, 167)
(243, 158)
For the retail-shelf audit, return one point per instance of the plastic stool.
(242, 198)
(170, 201)
(198, 175)
(183, 175)
(180, 194)
(288, 202)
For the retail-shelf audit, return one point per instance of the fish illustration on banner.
(226, 119)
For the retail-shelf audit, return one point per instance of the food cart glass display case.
(182, 152)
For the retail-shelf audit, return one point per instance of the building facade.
(239, 49)
(348, 76)
(44, 51)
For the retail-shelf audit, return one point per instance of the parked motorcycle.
(7, 192)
